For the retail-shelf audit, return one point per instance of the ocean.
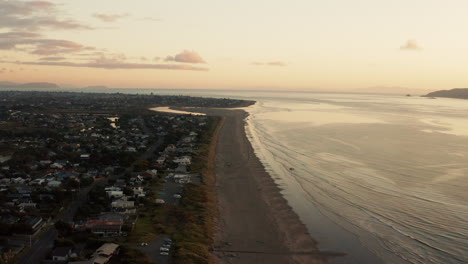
(381, 178)
(389, 172)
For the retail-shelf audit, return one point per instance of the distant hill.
(96, 87)
(396, 90)
(35, 85)
(8, 84)
(461, 93)
(40, 85)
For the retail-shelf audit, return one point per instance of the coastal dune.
(255, 224)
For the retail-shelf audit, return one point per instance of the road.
(45, 240)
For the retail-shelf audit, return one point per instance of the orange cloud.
(271, 63)
(52, 59)
(410, 45)
(33, 15)
(110, 17)
(186, 56)
(112, 65)
(32, 43)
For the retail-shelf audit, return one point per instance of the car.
(168, 240)
(143, 244)
(160, 201)
(167, 244)
(162, 253)
(164, 249)
(177, 196)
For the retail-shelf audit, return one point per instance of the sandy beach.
(255, 224)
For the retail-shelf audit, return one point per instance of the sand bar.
(168, 110)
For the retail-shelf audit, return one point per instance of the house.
(170, 148)
(138, 192)
(182, 178)
(37, 182)
(114, 194)
(122, 203)
(181, 168)
(102, 255)
(18, 180)
(161, 160)
(187, 139)
(150, 173)
(131, 149)
(106, 216)
(184, 160)
(112, 188)
(54, 184)
(61, 253)
(105, 227)
(56, 166)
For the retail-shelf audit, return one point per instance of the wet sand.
(255, 224)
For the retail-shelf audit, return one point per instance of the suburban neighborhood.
(98, 178)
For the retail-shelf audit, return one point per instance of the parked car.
(164, 249)
(144, 244)
(163, 253)
(177, 196)
(167, 244)
(160, 201)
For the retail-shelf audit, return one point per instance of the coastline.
(255, 224)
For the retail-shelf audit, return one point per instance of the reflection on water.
(167, 110)
(372, 167)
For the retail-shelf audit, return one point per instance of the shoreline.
(255, 223)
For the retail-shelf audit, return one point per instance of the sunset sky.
(219, 44)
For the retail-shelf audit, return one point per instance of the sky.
(330, 45)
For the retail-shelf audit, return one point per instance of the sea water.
(390, 172)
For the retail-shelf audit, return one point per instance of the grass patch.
(144, 230)
(196, 215)
(128, 255)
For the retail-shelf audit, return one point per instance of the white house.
(122, 203)
(54, 184)
(114, 194)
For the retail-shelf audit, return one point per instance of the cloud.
(110, 17)
(10, 35)
(102, 60)
(52, 58)
(270, 63)
(112, 65)
(186, 56)
(410, 45)
(34, 15)
(34, 44)
(152, 19)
